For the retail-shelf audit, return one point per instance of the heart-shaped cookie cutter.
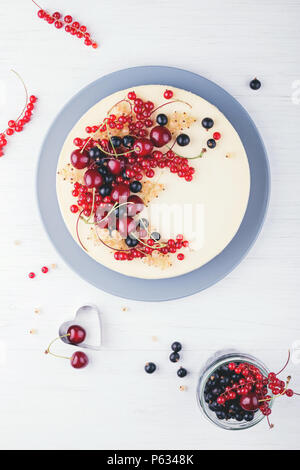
(81, 319)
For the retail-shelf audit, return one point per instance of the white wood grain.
(112, 403)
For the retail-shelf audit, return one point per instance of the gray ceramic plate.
(130, 287)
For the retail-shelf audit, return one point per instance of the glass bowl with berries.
(233, 390)
(236, 390)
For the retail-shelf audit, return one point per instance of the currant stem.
(285, 365)
(56, 355)
(169, 102)
(276, 396)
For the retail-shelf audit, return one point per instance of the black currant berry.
(131, 242)
(150, 367)
(183, 140)
(115, 141)
(128, 141)
(162, 120)
(105, 190)
(135, 186)
(103, 170)
(143, 223)
(95, 152)
(176, 346)
(255, 84)
(207, 123)
(211, 143)
(181, 372)
(155, 236)
(174, 357)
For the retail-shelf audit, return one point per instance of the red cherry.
(249, 402)
(120, 191)
(79, 360)
(80, 159)
(93, 179)
(143, 147)
(44, 269)
(125, 226)
(76, 334)
(136, 207)
(160, 136)
(31, 275)
(114, 166)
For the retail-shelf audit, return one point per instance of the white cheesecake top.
(212, 205)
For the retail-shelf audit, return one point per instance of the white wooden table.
(112, 404)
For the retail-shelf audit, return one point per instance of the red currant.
(168, 94)
(68, 19)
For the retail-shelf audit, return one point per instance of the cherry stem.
(169, 102)
(57, 355)
(77, 231)
(119, 102)
(270, 424)
(285, 365)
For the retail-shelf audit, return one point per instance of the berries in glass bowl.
(230, 388)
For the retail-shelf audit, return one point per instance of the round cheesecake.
(206, 210)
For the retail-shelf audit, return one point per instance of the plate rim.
(173, 292)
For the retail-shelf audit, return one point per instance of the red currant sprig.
(70, 26)
(24, 117)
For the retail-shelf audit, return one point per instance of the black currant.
(183, 140)
(211, 143)
(105, 190)
(103, 170)
(131, 242)
(181, 372)
(143, 223)
(135, 186)
(255, 84)
(115, 141)
(150, 367)
(207, 123)
(128, 141)
(156, 236)
(95, 152)
(174, 357)
(162, 120)
(176, 346)
(248, 416)
(221, 414)
(109, 179)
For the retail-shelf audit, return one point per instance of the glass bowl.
(214, 362)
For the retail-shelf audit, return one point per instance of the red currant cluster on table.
(76, 335)
(239, 390)
(70, 26)
(17, 125)
(115, 165)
